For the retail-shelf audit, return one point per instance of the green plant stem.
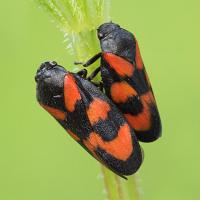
(119, 189)
(79, 19)
(111, 185)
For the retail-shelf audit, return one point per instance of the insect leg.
(90, 61)
(82, 73)
(94, 73)
(101, 86)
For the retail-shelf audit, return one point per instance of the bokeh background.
(39, 161)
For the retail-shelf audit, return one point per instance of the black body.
(51, 93)
(121, 44)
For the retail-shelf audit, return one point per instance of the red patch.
(142, 121)
(120, 147)
(71, 92)
(98, 109)
(120, 65)
(58, 114)
(121, 91)
(148, 98)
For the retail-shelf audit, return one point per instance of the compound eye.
(53, 63)
(100, 35)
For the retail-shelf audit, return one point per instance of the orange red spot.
(121, 91)
(98, 109)
(73, 135)
(142, 121)
(58, 114)
(71, 92)
(120, 65)
(148, 98)
(138, 58)
(120, 147)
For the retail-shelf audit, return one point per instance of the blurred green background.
(39, 161)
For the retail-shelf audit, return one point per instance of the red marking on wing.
(98, 109)
(142, 121)
(120, 65)
(148, 98)
(73, 135)
(121, 91)
(71, 92)
(138, 58)
(58, 114)
(120, 147)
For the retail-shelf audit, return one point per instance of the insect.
(89, 116)
(125, 80)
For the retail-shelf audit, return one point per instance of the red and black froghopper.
(125, 80)
(90, 117)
